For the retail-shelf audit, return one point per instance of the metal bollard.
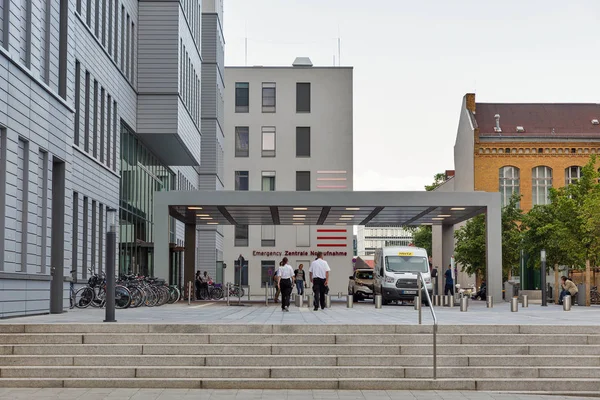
(444, 300)
(464, 304)
(310, 301)
(339, 295)
(438, 301)
(248, 292)
(514, 304)
(378, 300)
(490, 302)
(266, 293)
(227, 289)
(299, 302)
(349, 301)
(327, 301)
(525, 301)
(417, 303)
(450, 301)
(189, 293)
(567, 303)
(292, 297)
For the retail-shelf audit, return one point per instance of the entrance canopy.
(442, 210)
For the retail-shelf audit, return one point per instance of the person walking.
(198, 284)
(300, 279)
(449, 281)
(276, 284)
(286, 277)
(319, 276)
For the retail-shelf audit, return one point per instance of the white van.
(395, 273)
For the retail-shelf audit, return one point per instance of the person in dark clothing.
(319, 275)
(449, 288)
(286, 281)
(300, 279)
(482, 293)
(198, 284)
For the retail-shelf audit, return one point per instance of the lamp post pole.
(241, 263)
(543, 277)
(111, 244)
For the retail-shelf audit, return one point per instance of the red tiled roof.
(370, 263)
(539, 120)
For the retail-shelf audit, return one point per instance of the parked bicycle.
(94, 293)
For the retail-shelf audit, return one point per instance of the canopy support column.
(161, 239)
(494, 248)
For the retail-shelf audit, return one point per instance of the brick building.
(519, 147)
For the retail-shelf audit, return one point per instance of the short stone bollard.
(349, 301)
(299, 301)
(444, 300)
(450, 300)
(417, 303)
(567, 303)
(310, 301)
(514, 304)
(490, 302)
(327, 301)
(464, 304)
(378, 300)
(525, 301)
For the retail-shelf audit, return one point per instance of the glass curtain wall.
(142, 174)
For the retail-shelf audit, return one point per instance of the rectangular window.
(97, 19)
(114, 148)
(77, 102)
(116, 35)
(241, 180)
(103, 22)
(241, 236)
(88, 13)
(268, 181)
(302, 141)
(84, 265)
(123, 38)
(132, 45)
(242, 97)
(42, 209)
(269, 99)
(128, 49)
(110, 27)
(86, 125)
(108, 130)
(303, 97)
(95, 122)
(75, 234)
(94, 234)
(268, 141)
(22, 205)
(78, 7)
(243, 272)
(242, 144)
(302, 181)
(102, 122)
(267, 235)
(303, 236)
(267, 269)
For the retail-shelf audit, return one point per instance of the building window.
(269, 98)
(509, 183)
(267, 235)
(242, 144)
(302, 180)
(302, 141)
(572, 174)
(303, 97)
(268, 181)
(241, 180)
(242, 97)
(267, 269)
(241, 236)
(540, 185)
(268, 141)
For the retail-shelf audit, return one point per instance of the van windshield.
(406, 264)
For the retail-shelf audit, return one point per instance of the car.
(360, 285)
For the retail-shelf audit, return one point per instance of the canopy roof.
(325, 208)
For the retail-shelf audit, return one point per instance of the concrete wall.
(464, 150)
(331, 126)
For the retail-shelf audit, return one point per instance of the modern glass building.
(142, 174)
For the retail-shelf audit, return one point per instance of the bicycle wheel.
(163, 295)
(137, 296)
(72, 299)
(236, 292)
(216, 293)
(174, 294)
(122, 297)
(84, 297)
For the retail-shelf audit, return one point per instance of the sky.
(414, 61)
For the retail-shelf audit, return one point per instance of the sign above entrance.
(297, 253)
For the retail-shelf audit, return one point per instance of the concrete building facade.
(77, 76)
(368, 239)
(288, 129)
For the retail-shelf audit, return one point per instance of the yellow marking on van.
(406, 253)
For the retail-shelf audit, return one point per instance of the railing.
(420, 283)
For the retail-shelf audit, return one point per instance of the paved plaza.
(361, 313)
(207, 394)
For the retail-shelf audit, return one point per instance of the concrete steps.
(523, 358)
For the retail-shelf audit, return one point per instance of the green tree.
(422, 238)
(470, 249)
(438, 179)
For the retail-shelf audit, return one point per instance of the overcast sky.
(414, 60)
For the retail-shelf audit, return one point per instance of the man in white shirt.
(285, 283)
(319, 276)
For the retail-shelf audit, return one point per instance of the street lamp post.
(111, 245)
(543, 277)
(241, 263)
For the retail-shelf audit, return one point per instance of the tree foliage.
(438, 179)
(422, 237)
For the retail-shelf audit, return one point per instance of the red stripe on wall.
(332, 237)
(332, 245)
(332, 230)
